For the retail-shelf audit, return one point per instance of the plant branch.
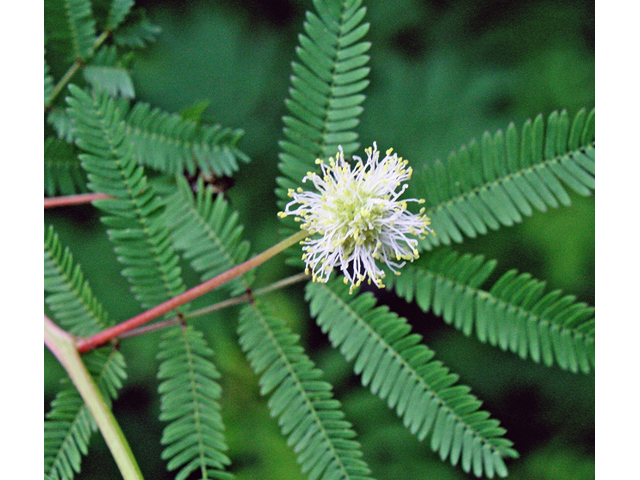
(86, 344)
(62, 345)
(73, 69)
(245, 297)
(73, 199)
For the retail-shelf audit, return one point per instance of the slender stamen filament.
(355, 218)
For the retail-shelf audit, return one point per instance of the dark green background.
(442, 73)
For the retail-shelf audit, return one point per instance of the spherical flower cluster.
(355, 218)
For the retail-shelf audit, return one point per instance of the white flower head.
(355, 218)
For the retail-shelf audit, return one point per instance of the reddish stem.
(86, 344)
(73, 199)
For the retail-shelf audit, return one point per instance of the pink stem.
(73, 199)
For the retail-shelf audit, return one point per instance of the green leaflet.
(107, 72)
(324, 99)
(136, 30)
(172, 144)
(397, 367)
(71, 24)
(68, 294)
(62, 124)
(141, 240)
(48, 83)
(118, 10)
(164, 141)
(112, 79)
(517, 313)
(194, 439)
(208, 233)
(63, 174)
(67, 430)
(508, 175)
(303, 403)
(69, 425)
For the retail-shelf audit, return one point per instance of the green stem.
(245, 297)
(62, 83)
(86, 344)
(73, 70)
(62, 345)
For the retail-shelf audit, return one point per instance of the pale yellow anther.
(355, 218)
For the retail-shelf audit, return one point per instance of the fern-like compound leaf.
(164, 141)
(63, 174)
(172, 144)
(48, 83)
(68, 294)
(69, 424)
(207, 230)
(67, 430)
(71, 22)
(142, 241)
(112, 79)
(508, 175)
(517, 313)
(118, 10)
(106, 73)
(302, 401)
(397, 367)
(82, 27)
(194, 439)
(136, 30)
(324, 99)
(59, 119)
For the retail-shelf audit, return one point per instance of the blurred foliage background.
(443, 71)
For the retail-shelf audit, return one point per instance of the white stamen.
(356, 217)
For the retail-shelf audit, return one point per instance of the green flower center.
(356, 212)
